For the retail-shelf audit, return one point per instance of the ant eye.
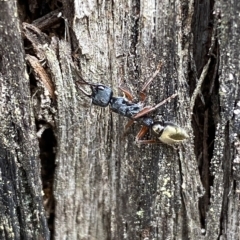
(100, 87)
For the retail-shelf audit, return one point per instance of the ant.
(166, 132)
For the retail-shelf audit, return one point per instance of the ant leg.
(147, 110)
(142, 93)
(127, 93)
(141, 134)
(128, 125)
(143, 112)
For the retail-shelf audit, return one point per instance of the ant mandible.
(166, 132)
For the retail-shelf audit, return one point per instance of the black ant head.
(101, 95)
(168, 132)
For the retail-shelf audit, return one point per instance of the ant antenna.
(82, 81)
(83, 91)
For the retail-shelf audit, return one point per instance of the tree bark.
(97, 182)
(22, 215)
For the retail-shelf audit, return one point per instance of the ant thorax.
(123, 107)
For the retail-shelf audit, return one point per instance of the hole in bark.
(206, 112)
(47, 144)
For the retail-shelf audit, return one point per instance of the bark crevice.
(207, 108)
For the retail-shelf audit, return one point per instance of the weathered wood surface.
(223, 212)
(22, 215)
(104, 185)
(136, 192)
